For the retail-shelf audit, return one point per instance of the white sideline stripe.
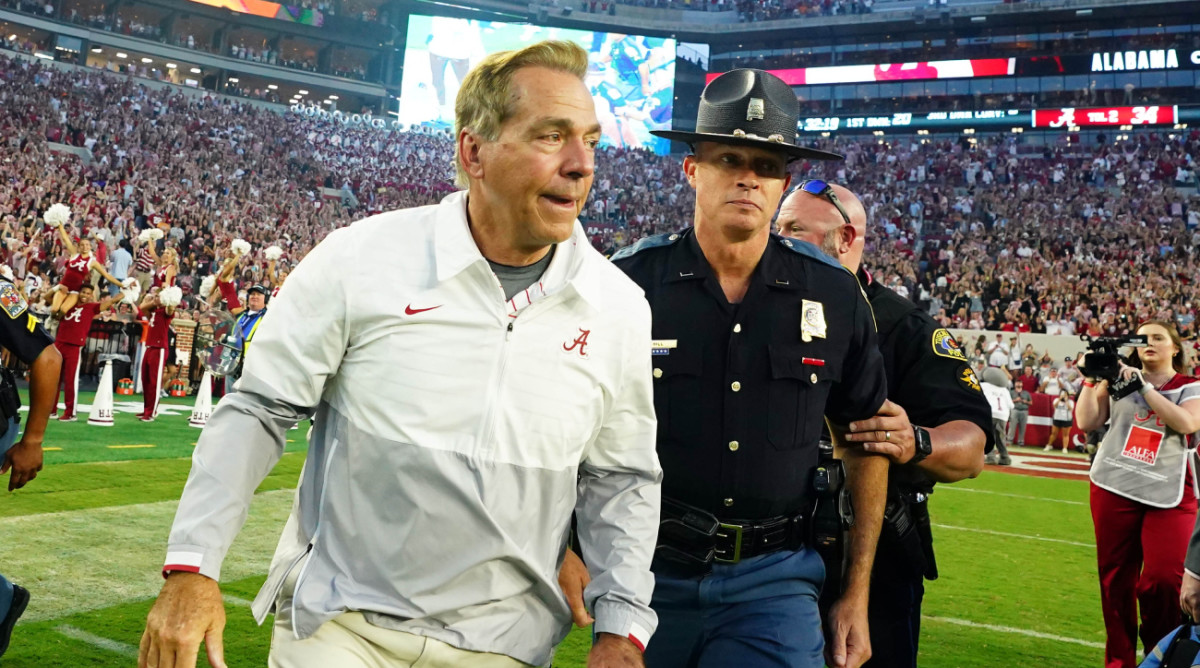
(1014, 535)
(952, 488)
(1009, 629)
(233, 600)
(97, 641)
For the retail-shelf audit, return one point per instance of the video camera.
(1103, 361)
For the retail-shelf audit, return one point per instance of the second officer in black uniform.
(23, 336)
(757, 339)
(930, 383)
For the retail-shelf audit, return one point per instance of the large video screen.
(632, 78)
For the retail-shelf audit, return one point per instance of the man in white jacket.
(995, 384)
(475, 372)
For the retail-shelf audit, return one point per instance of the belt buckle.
(725, 531)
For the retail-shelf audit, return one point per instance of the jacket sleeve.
(619, 500)
(297, 349)
(1192, 561)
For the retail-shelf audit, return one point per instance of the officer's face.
(256, 301)
(536, 176)
(737, 187)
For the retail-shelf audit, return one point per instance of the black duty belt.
(737, 540)
(692, 539)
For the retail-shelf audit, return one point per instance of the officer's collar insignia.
(969, 379)
(663, 346)
(812, 321)
(11, 300)
(755, 111)
(944, 345)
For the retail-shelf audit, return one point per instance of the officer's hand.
(189, 609)
(25, 460)
(573, 578)
(889, 433)
(849, 642)
(612, 651)
(1189, 596)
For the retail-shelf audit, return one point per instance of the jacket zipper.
(312, 544)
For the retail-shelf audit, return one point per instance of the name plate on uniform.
(663, 346)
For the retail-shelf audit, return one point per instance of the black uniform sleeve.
(20, 331)
(863, 385)
(934, 382)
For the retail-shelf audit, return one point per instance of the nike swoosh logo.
(409, 310)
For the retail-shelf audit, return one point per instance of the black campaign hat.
(749, 108)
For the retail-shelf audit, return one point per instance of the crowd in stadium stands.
(994, 234)
(116, 23)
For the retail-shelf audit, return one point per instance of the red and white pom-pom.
(150, 234)
(132, 290)
(170, 296)
(57, 215)
(240, 247)
(273, 253)
(7, 272)
(207, 285)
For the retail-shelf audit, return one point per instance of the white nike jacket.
(450, 442)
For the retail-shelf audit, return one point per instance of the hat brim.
(790, 150)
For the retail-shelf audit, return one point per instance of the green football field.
(87, 538)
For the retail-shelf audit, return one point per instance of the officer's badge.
(756, 110)
(812, 321)
(11, 301)
(663, 346)
(945, 345)
(969, 379)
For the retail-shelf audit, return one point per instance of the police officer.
(756, 339)
(930, 383)
(22, 334)
(248, 319)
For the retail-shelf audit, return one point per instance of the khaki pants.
(350, 641)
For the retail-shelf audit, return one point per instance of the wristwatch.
(923, 445)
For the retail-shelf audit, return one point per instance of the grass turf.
(996, 594)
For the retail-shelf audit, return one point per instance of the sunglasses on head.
(818, 188)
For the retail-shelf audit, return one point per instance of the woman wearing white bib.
(1143, 492)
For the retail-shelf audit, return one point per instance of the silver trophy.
(218, 343)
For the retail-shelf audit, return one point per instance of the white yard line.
(233, 600)
(1014, 535)
(953, 488)
(98, 641)
(1016, 631)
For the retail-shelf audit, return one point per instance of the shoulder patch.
(968, 378)
(944, 345)
(808, 250)
(645, 243)
(11, 300)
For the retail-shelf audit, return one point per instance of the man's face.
(539, 171)
(737, 187)
(824, 233)
(256, 301)
(86, 295)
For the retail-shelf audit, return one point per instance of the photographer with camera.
(1141, 507)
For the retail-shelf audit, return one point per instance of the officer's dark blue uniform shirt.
(20, 331)
(741, 390)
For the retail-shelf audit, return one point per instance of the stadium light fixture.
(303, 92)
(171, 66)
(978, 19)
(272, 87)
(44, 56)
(233, 79)
(195, 70)
(334, 97)
(1083, 12)
(122, 55)
(147, 60)
(96, 49)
